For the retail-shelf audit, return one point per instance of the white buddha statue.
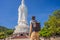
(22, 13)
(22, 26)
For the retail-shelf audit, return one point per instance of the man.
(34, 29)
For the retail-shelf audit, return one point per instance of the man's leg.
(37, 36)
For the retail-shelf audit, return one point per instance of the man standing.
(34, 29)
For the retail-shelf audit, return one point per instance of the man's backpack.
(36, 26)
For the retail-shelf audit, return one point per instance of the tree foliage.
(52, 26)
(5, 32)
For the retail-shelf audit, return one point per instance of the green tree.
(5, 32)
(9, 32)
(2, 35)
(52, 26)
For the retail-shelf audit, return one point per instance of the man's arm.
(30, 29)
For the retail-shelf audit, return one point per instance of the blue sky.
(39, 8)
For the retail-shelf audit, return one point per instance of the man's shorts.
(35, 35)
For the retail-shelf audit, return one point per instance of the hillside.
(2, 29)
(5, 32)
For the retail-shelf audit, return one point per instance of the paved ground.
(52, 38)
(20, 39)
